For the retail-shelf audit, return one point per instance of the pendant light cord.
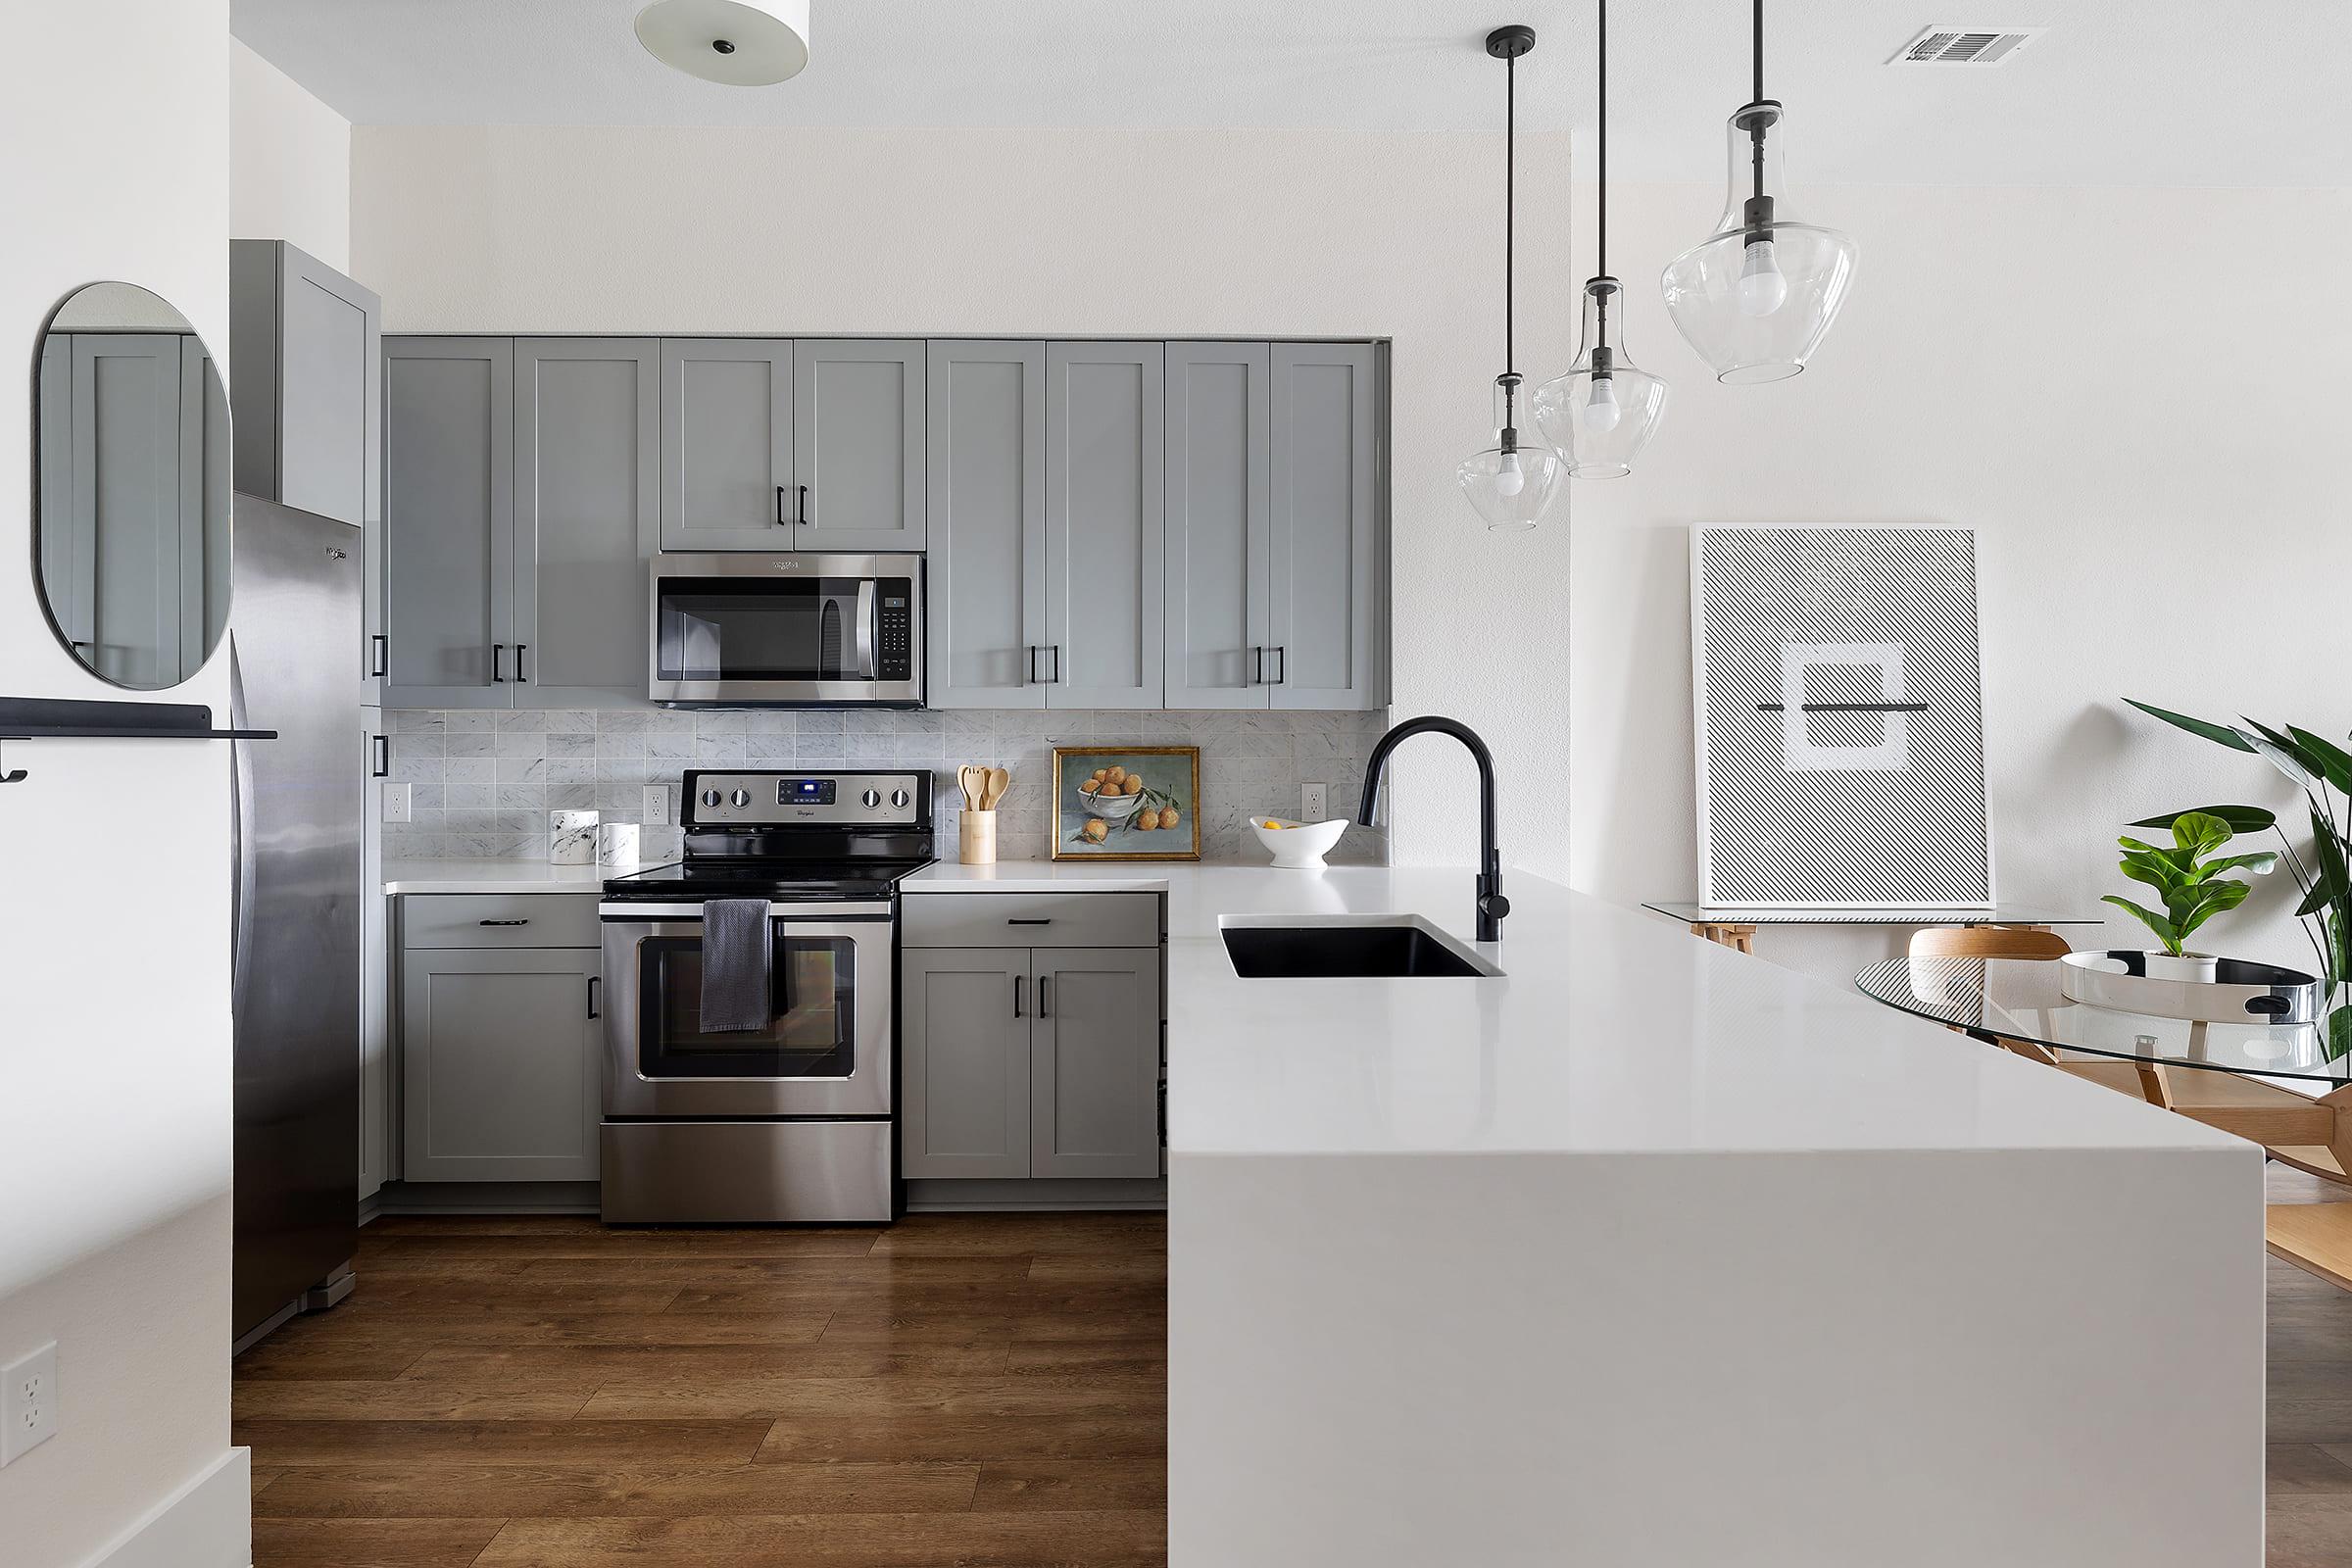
(1759, 47)
(1603, 269)
(1511, 204)
(1756, 135)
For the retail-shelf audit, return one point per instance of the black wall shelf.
(39, 719)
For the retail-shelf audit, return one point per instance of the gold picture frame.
(1091, 823)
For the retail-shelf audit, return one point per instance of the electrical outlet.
(28, 1402)
(657, 804)
(1313, 804)
(396, 803)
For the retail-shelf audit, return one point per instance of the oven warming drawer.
(746, 1172)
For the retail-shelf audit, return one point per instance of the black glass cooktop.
(778, 881)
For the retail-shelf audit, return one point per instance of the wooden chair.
(2316, 1237)
(1987, 942)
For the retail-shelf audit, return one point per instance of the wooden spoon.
(998, 781)
(974, 779)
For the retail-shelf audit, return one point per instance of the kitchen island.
(1649, 1252)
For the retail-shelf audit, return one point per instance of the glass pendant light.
(1604, 409)
(1510, 484)
(1755, 297)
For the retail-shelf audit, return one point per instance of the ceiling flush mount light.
(1604, 409)
(737, 43)
(1509, 484)
(1755, 297)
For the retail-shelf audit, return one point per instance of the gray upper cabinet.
(1325, 621)
(1093, 1063)
(1106, 505)
(965, 1033)
(1219, 537)
(587, 518)
(859, 408)
(987, 479)
(727, 429)
(449, 522)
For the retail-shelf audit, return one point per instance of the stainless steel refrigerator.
(294, 623)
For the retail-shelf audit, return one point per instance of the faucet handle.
(1494, 905)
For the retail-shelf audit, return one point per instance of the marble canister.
(571, 838)
(617, 844)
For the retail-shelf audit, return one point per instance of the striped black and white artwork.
(1841, 719)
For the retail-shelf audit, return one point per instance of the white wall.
(2116, 387)
(114, 1075)
(289, 162)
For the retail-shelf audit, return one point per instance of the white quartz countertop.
(1609, 1031)
(494, 876)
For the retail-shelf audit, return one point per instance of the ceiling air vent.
(1966, 46)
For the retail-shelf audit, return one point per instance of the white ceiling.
(2133, 92)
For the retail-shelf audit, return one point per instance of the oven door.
(825, 1049)
(800, 629)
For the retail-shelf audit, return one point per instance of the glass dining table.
(2272, 1083)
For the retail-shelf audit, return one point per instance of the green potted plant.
(2323, 772)
(2195, 886)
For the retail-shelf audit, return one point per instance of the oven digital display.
(804, 792)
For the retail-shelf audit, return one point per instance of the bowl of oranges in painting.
(1123, 804)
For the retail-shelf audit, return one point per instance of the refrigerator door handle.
(240, 832)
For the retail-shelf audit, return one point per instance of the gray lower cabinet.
(1020, 1062)
(449, 522)
(963, 1092)
(859, 408)
(985, 576)
(587, 518)
(727, 432)
(498, 1054)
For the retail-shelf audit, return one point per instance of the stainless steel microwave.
(791, 631)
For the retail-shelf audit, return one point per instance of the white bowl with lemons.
(1298, 846)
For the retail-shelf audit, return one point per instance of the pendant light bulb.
(1601, 412)
(1763, 287)
(1510, 475)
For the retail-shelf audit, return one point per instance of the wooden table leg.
(2154, 1085)
(1728, 933)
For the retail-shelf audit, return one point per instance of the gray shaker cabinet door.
(449, 522)
(1325, 617)
(727, 470)
(965, 1016)
(587, 518)
(987, 570)
(1093, 1063)
(1105, 507)
(500, 1067)
(859, 443)
(1218, 534)
(375, 952)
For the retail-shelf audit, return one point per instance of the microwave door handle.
(865, 629)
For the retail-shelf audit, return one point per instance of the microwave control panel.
(894, 657)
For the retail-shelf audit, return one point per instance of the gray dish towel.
(735, 958)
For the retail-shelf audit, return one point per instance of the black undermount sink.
(1353, 951)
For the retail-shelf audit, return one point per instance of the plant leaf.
(2196, 832)
(2150, 919)
(2339, 1032)
(2329, 852)
(2218, 734)
(2142, 868)
(2336, 764)
(2318, 899)
(2241, 818)
(2262, 864)
(2284, 754)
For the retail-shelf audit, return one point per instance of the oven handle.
(801, 914)
(865, 629)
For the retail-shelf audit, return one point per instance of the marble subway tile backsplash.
(482, 783)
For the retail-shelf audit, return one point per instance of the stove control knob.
(871, 798)
(711, 797)
(901, 799)
(740, 799)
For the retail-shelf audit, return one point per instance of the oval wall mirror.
(131, 474)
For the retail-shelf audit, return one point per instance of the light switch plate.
(1314, 804)
(657, 804)
(27, 1403)
(396, 803)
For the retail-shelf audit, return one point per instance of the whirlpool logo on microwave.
(785, 563)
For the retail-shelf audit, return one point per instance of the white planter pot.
(2202, 968)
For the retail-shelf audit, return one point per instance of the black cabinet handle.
(593, 981)
(498, 662)
(1282, 669)
(383, 655)
(782, 521)
(1257, 665)
(1033, 664)
(383, 755)
(521, 671)
(1030, 920)
(1045, 997)
(1056, 650)
(1016, 996)
(804, 505)
(507, 922)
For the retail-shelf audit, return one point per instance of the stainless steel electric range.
(791, 1122)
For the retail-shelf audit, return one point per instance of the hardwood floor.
(969, 1389)
(543, 1392)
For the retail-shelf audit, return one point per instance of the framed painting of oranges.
(1127, 802)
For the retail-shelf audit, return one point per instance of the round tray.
(2240, 990)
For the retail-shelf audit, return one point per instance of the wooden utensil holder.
(976, 838)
